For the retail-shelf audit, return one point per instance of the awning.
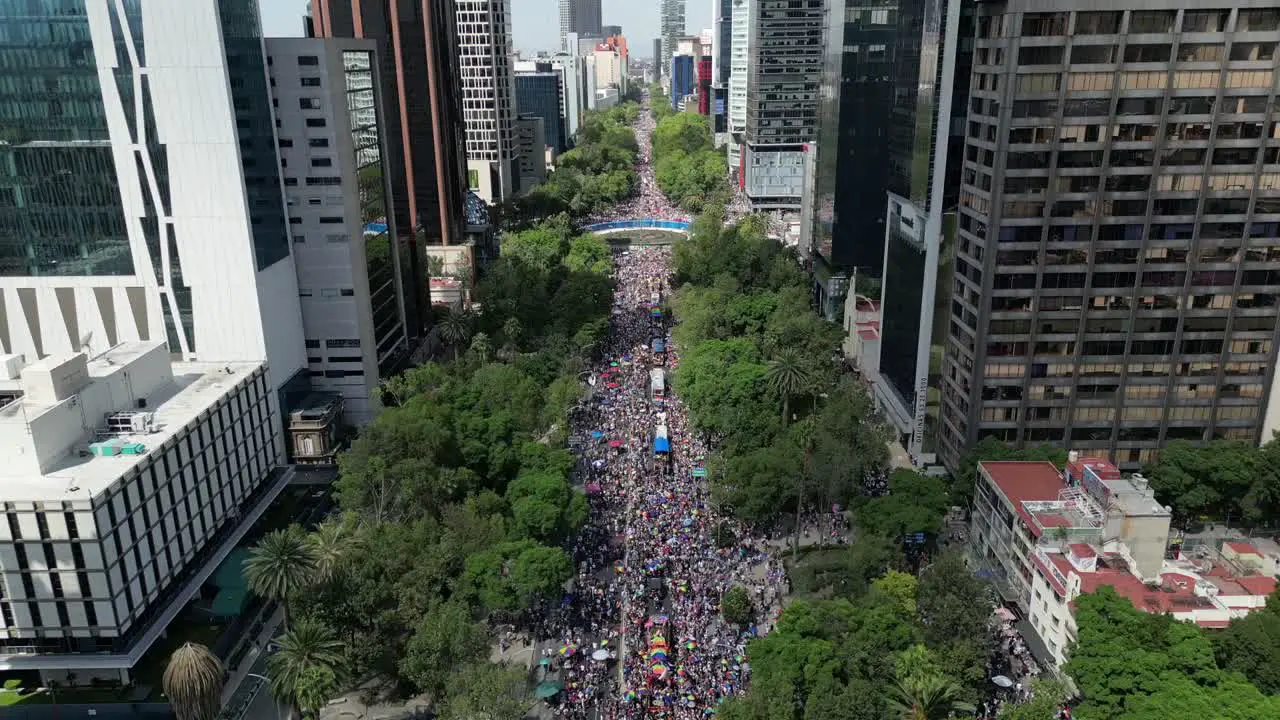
(231, 572)
(659, 346)
(661, 445)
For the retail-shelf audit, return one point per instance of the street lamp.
(266, 681)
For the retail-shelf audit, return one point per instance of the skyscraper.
(783, 76)
(672, 29)
(721, 47)
(581, 17)
(539, 93)
(144, 228)
(419, 57)
(155, 210)
(332, 137)
(488, 97)
(739, 65)
(1119, 212)
(657, 57)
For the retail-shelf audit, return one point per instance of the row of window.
(327, 292)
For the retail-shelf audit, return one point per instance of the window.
(1148, 53)
(286, 143)
(1143, 80)
(299, 238)
(1044, 24)
(304, 292)
(318, 142)
(316, 122)
(342, 343)
(1258, 21)
(473, 179)
(321, 162)
(1242, 52)
(308, 60)
(1089, 82)
(1039, 83)
(1151, 21)
(324, 180)
(330, 220)
(310, 82)
(313, 343)
(1047, 55)
(295, 221)
(290, 181)
(307, 103)
(347, 292)
(1097, 23)
(1249, 79)
(1205, 20)
(1093, 54)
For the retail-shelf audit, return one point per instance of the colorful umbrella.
(593, 489)
(568, 650)
(660, 671)
(596, 434)
(549, 689)
(615, 443)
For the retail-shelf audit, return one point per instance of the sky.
(536, 23)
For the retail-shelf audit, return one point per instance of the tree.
(192, 682)
(915, 503)
(899, 589)
(481, 346)
(330, 545)
(455, 330)
(735, 606)
(1251, 646)
(280, 565)
(446, 638)
(930, 697)
(316, 685)
(486, 691)
(788, 378)
(310, 656)
(1047, 698)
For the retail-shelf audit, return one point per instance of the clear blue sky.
(536, 22)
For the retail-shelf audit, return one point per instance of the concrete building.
(540, 94)
(1122, 160)
(721, 63)
(684, 78)
(573, 90)
(127, 480)
(531, 149)
(611, 72)
(784, 73)
(739, 66)
(657, 60)
(1045, 537)
(332, 150)
(488, 97)
(133, 244)
(420, 59)
(671, 21)
(581, 17)
(892, 120)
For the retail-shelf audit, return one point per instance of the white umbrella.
(602, 654)
(1002, 681)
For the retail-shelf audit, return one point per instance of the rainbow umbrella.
(660, 671)
(568, 650)
(691, 645)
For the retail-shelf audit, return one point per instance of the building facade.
(531, 150)
(721, 65)
(671, 26)
(111, 232)
(539, 93)
(784, 73)
(1044, 537)
(488, 97)
(1119, 211)
(331, 128)
(657, 59)
(739, 66)
(419, 57)
(573, 89)
(129, 480)
(683, 78)
(581, 17)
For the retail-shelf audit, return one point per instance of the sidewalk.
(241, 673)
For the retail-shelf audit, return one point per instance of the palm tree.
(331, 543)
(930, 697)
(455, 330)
(511, 332)
(282, 563)
(308, 650)
(788, 377)
(481, 346)
(193, 683)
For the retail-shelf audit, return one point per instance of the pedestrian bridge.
(618, 226)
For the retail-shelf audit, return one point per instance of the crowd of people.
(1011, 665)
(648, 201)
(642, 632)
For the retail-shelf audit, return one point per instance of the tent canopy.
(231, 572)
(661, 445)
(659, 346)
(229, 601)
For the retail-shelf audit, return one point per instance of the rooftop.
(1242, 548)
(48, 432)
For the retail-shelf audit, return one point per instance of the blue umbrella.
(596, 434)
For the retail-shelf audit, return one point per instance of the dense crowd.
(642, 632)
(648, 201)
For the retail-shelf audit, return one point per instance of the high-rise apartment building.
(721, 47)
(488, 97)
(581, 17)
(739, 65)
(657, 58)
(350, 277)
(672, 28)
(419, 58)
(785, 68)
(573, 88)
(1115, 285)
(143, 227)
